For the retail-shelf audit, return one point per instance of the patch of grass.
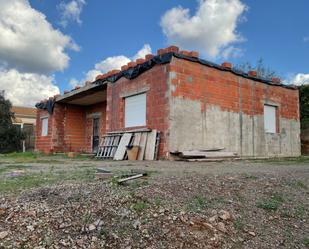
(300, 211)
(297, 184)
(238, 224)
(271, 204)
(32, 180)
(278, 197)
(286, 214)
(283, 160)
(138, 183)
(47, 161)
(83, 157)
(218, 200)
(21, 155)
(197, 203)
(301, 185)
(11, 167)
(306, 241)
(251, 177)
(157, 202)
(87, 218)
(139, 206)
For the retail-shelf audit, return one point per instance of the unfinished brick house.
(195, 104)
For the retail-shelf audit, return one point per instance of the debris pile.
(206, 155)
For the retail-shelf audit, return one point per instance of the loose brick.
(227, 65)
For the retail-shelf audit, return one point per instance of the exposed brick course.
(210, 86)
(69, 128)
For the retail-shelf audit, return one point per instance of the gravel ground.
(240, 204)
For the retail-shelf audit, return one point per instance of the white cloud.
(28, 42)
(71, 11)
(232, 51)
(146, 49)
(110, 63)
(211, 30)
(299, 79)
(26, 89)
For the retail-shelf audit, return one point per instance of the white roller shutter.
(270, 119)
(135, 110)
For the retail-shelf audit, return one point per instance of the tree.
(10, 136)
(261, 69)
(304, 105)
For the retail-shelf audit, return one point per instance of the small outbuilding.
(25, 120)
(193, 103)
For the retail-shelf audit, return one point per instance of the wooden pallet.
(114, 145)
(122, 147)
(108, 146)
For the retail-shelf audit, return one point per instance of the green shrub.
(10, 136)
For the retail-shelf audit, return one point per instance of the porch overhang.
(84, 96)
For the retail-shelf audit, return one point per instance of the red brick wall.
(69, 129)
(43, 143)
(155, 80)
(72, 125)
(74, 128)
(58, 128)
(214, 87)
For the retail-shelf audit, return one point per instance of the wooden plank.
(207, 154)
(137, 139)
(132, 153)
(121, 150)
(130, 131)
(205, 160)
(151, 145)
(142, 146)
(131, 178)
(212, 159)
(103, 170)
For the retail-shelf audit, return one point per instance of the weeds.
(27, 181)
(306, 241)
(271, 204)
(300, 211)
(197, 203)
(283, 161)
(139, 206)
(87, 218)
(300, 185)
(250, 177)
(238, 224)
(157, 202)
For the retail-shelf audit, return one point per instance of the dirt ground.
(56, 202)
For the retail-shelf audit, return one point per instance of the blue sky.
(87, 32)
